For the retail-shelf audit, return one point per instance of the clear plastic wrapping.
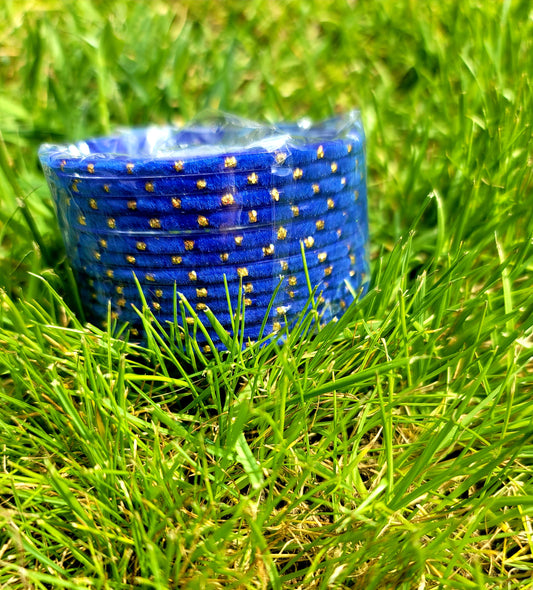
(223, 204)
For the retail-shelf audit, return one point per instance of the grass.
(392, 449)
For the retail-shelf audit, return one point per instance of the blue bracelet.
(184, 208)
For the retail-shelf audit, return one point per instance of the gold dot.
(284, 265)
(352, 273)
(130, 259)
(356, 195)
(334, 166)
(320, 152)
(201, 184)
(109, 272)
(322, 256)
(274, 193)
(149, 187)
(309, 241)
(293, 281)
(281, 157)
(349, 147)
(276, 326)
(203, 221)
(94, 296)
(253, 178)
(328, 270)
(129, 168)
(155, 223)
(111, 223)
(97, 255)
(176, 259)
(242, 271)
(81, 220)
(297, 174)
(282, 233)
(230, 162)
(90, 282)
(252, 216)
(103, 243)
(104, 324)
(331, 203)
(224, 256)
(75, 185)
(319, 224)
(282, 309)
(343, 181)
(206, 348)
(295, 210)
(342, 304)
(141, 246)
(247, 302)
(201, 292)
(201, 306)
(121, 302)
(291, 294)
(227, 199)
(193, 276)
(159, 293)
(106, 188)
(178, 166)
(321, 298)
(90, 168)
(134, 332)
(189, 320)
(268, 250)
(156, 305)
(119, 289)
(114, 315)
(316, 188)
(62, 165)
(149, 277)
(339, 232)
(189, 244)
(248, 288)
(238, 240)
(352, 258)
(132, 205)
(176, 203)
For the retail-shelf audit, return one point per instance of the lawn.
(392, 449)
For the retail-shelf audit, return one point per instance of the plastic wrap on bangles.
(220, 201)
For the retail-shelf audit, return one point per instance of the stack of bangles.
(205, 210)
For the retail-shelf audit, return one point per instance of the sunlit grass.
(391, 449)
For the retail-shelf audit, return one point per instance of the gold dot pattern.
(176, 259)
(155, 223)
